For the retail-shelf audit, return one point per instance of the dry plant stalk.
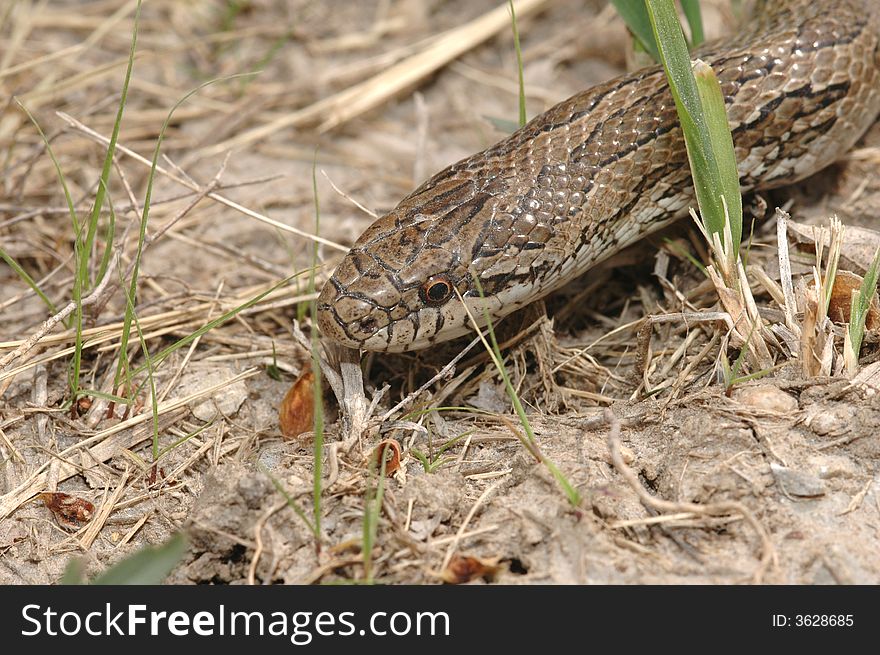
(361, 97)
(817, 337)
(729, 277)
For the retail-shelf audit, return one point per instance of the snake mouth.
(332, 329)
(373, 329)
(330, 324)
(351, 321)
(351, 318)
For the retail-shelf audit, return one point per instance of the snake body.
(599, 171)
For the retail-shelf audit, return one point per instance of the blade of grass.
(148, 566)
(210, 325)
(415, 413)
(27, 279)
(74, 219)
(679, 250)
(692, 13)
(290, 502)
(709, 178)
(503, 124)
(272, 369)
(318, 412)
(174, 444)
(108, 241)
(148, 363)
(94, 393)
(371, 514)
(721, 143)
(731, 375)
(122, 369)
(83, 248)
(519, 66)
(635, 15)
(495, 353)
(858, 311)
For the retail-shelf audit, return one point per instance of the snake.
(595, 173)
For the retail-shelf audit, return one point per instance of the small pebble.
(766, 397)
(225, 402)
(797, 483)
(830, 422)
(833, 466)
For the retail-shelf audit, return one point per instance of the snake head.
(396, 288)
(407, 281)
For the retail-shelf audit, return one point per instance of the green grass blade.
(101, 193)
(740, 360)
(371, 515)
(721, 142)
(858, 311)
(148, 363)
(702, 154)
(692, 13)
(635, 15)
(318, 413)
(148, 566)
(495, 352)
(74, 219)
(81, 280)
(682, 252)
(502, 124)
(122, 364)
(94, 393)
(108, 242)
(419, 455)
(15, 266)
(519, 66)
(290, 502)
(167, 449)
(183, 341)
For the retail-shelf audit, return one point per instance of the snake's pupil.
(435, 291)
(438, 291)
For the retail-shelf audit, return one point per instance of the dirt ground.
(775, 481)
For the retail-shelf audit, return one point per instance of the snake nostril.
(368, 324)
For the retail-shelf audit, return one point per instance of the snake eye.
(436, 290)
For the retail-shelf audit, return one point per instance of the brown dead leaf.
(859, 243)
(465, 568)
(297, 412)
(70, 511)
(845, 283)
(391, 451)
(83, 405)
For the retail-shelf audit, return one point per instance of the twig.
(442, 374)
(785, 270)
(467, 519)
(768, 553)
(87, 131)
(258, 538)
(51, 322)
(354, 202)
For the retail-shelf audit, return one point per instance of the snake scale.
(599, 171)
